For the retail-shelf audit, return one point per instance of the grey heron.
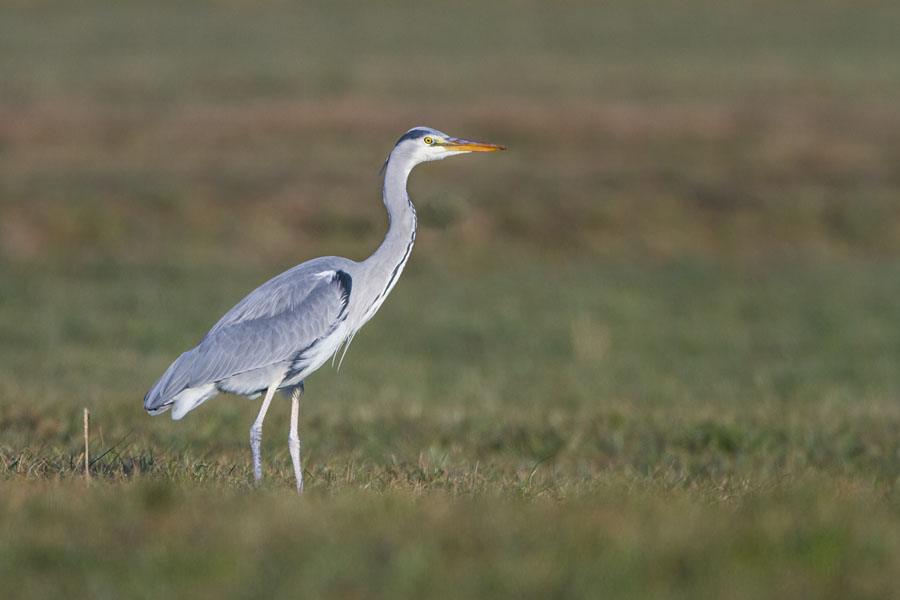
(291, 325)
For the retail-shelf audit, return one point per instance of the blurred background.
(683, 272)
(697, 199)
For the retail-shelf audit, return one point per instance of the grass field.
(649, 352)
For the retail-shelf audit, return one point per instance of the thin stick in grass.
(87, 436)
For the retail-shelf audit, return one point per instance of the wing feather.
(272, 324)
(269, 331)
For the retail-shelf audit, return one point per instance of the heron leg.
(256, 432)
(294, 437)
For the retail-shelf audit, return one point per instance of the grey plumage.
(276, 326)
(291, 325)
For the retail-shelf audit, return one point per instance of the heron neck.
(394, 251)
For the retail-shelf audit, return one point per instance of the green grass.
(648, 352)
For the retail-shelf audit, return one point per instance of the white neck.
(385, 265)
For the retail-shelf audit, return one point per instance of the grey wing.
(277, 322)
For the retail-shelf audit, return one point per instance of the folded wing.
(276, 323)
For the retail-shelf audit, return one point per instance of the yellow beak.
(470, 146)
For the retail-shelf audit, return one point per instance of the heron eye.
(428, 140)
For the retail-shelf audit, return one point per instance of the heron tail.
(162, 395)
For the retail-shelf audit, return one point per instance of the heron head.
(421, 144)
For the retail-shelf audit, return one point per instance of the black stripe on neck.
(395, 273)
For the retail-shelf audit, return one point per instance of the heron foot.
(294, 448)
(256, 431)
(294, 436)
(255, 441)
